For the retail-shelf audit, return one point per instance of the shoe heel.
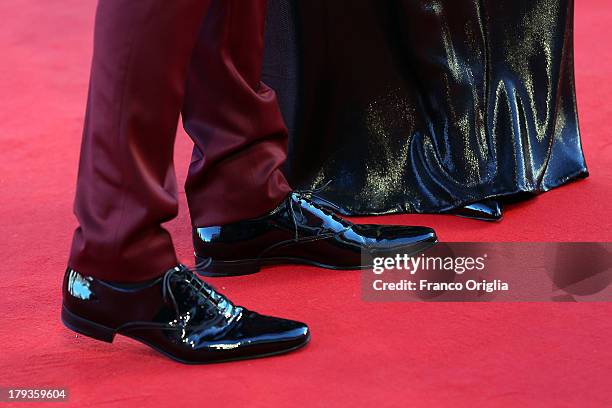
(87, 327)
(226, 268)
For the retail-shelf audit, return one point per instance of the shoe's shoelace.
(198, 287)
(306, 195)
(294, 216)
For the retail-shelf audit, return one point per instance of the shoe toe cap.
(396, 235)
(270, 333)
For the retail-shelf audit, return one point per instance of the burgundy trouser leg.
(234, 119)
(126, 185)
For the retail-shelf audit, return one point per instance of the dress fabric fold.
(425, 106)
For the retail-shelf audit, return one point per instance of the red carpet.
(361, 354)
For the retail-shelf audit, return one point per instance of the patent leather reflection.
(78, 286)
(486, 210)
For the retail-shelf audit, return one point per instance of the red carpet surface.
(362, 354)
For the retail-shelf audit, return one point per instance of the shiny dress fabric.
(425, 106)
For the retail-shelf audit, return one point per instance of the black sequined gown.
(425, 106)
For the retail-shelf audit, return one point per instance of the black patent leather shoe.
(179, 315)
(485, 210)
(300, 231)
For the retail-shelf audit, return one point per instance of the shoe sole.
(99, 332)
(218, 269)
